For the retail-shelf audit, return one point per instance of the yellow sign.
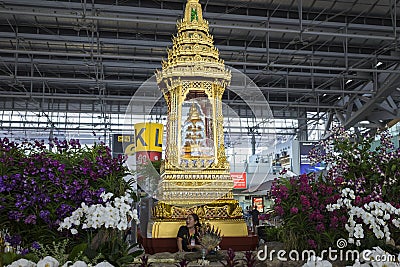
(148, 137)
(124, 138)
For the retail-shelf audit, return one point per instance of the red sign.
(239, 180)
(259, 203)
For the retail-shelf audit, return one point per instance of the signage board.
(145, 143)
(305, 162)
(239, 180)
(259, 203)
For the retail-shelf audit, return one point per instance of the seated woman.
(188, 236)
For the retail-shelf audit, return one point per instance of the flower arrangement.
(368, 164)
(112, 214)
(356, 197)
(301, 204)
(43, 189)
(367, 167)
(375, 215)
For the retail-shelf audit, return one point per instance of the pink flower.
(358, 201)
(339, 181)
(305, 202)
(320, 227)
(303, 179)
(279, 210)
(334, 222)
(316, 216)
(312, 243)
(284, 192)
(294, 210)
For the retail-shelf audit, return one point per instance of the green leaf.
(78, 249)
(31, 257)
(394, 167)
(90, 253)
(126, 259)
(9, 257)
(136, 253)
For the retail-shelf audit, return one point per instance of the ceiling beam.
(389, 85)
(141, 99)
(136, 83)
(252, 28)
(117, 11)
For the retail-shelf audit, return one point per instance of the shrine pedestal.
(229, 228)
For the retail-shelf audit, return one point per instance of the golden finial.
(193, 12)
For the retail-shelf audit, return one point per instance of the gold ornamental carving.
(228, 210)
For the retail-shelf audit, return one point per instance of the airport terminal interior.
(70, 69)
(223, 96)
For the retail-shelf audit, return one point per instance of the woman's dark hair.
(196, 218)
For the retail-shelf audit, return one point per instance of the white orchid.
(52, 262)
(358, 231)
(79, 264)
(375, 215)
(112, 214)
(135, 216)
(75, 264)
(104, 264)
(48, 261)
(22, 263)
(106, 196)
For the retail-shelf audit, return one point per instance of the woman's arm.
(179, 242)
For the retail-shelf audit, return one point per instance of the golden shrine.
(195, 176)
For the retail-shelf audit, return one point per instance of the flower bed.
(356, 198)
(64, 192)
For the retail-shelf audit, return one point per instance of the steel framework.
(312, 59)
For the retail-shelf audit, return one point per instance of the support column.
(302, 132)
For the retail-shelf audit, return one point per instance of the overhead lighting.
(339, 97)
(349, 81)
(378, 64)
(324, 95)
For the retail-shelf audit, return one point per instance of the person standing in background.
(254, 217)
